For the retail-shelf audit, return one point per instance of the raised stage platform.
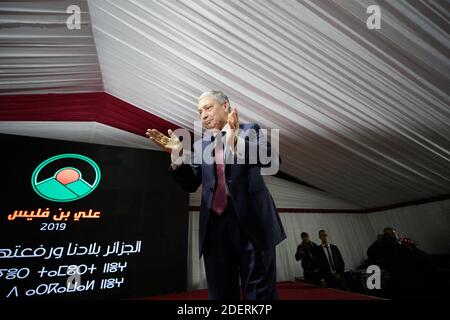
(286, 291)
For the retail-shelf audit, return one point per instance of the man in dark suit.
(239, 225)
(328, 260)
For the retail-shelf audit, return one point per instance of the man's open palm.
(167, 143)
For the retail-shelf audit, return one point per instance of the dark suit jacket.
(305, 253)
(253, 204)
(321, 261)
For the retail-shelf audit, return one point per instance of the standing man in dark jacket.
(329, 261)
(239, 225)
(304, 253)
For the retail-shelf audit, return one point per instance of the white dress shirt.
(329, 258)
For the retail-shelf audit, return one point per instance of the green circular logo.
(66, 183)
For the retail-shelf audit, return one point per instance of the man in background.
(329, 261)
(304, 253)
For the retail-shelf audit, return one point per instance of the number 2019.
(53, 226)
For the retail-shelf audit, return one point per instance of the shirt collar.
(224, 130)
(225, 127)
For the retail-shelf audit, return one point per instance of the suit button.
(211, 189)
(230, 181)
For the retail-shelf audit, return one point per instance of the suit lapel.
(228, 161)
(229, 155)
(208, 168)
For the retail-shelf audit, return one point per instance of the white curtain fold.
(78, 131)
(40, 54)
(363, 114)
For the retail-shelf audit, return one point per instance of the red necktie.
(219, 202)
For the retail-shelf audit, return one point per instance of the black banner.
(89, 221)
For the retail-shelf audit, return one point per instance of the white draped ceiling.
(363, 114)
(39, 54)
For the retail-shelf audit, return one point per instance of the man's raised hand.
(233, 119)
(167, 143)
(233, 127)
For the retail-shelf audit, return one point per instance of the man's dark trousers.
(228, 255)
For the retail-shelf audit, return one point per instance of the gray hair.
(219, 96)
